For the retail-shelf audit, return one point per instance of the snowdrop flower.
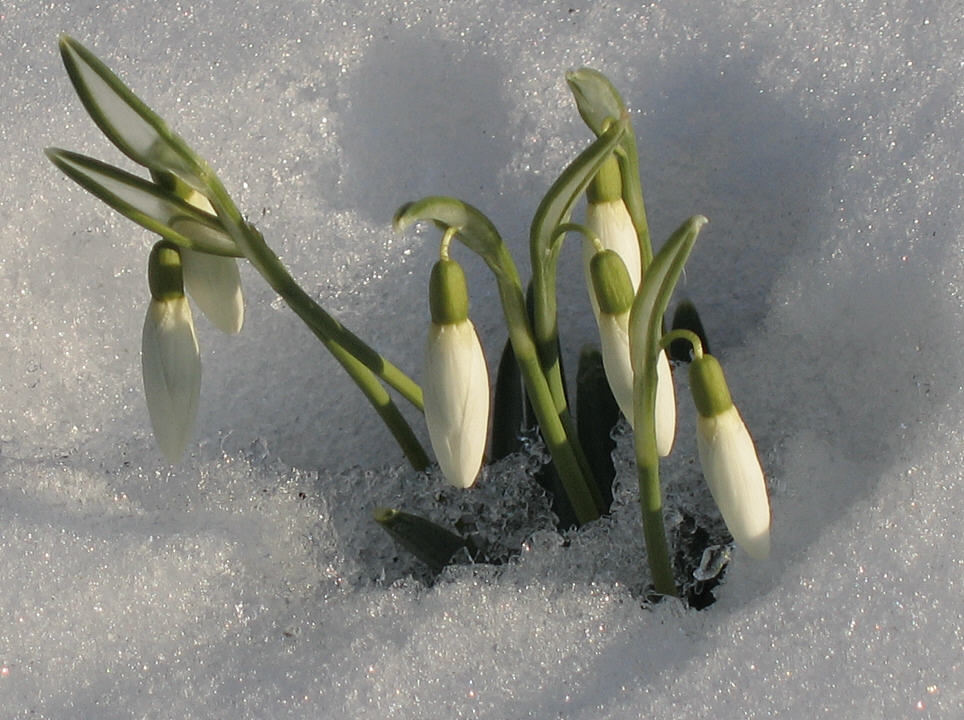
(612, 289)
(608, 218)
(455, 380)
(730, 462)
(170, 359)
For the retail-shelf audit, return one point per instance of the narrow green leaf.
(146, 204)
(474, 229)
(508, 406)
(565, 191)
(125, 119)
(597, 415)
(545, 245)
(431, 543)
(645, 319)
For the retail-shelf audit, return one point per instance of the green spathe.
(448, 294)
(710, 393)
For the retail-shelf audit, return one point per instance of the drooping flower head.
(170, 359)
(608, 218)
(212, 281)
(612, 289)
(729, 459)
(455, 379)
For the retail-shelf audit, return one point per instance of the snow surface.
(823, 141)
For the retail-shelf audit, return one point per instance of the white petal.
(215, 284)
(172, 373)
(732, 470)
(612, 223)
(665, 406)
(456, 395)
(614, 339)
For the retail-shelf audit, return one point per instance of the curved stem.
(479, 235)
(363, 364)
(683, 334)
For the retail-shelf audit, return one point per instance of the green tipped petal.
(611, 283)
(607, 186)
(710, 392)
(165, 275)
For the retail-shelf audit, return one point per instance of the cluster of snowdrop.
(203, 233)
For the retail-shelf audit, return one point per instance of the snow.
(823, 141)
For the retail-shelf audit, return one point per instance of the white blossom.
(456, 396)
(611, 223)
(171, 366)
(733, 472)
(614, 339)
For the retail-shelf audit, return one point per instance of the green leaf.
(545, 244)
(146, 204)
(474, 229)
(597, 415)
(125, 119)
(558, 201)
(431, 543)
(645, 319)
(508, 407)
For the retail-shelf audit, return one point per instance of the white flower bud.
(729, 459)
(171, 366)
(170, 359)
(456, 396)
(611, 286)
(455, 382)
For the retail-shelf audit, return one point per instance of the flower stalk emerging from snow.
(188, 205)
(204, 233)
(455, 380)
(729, 459)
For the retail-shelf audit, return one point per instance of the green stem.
(628, 160)
(573, 469)
(683, 334)
(359, 360)
(645, 322)
(650, 492)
